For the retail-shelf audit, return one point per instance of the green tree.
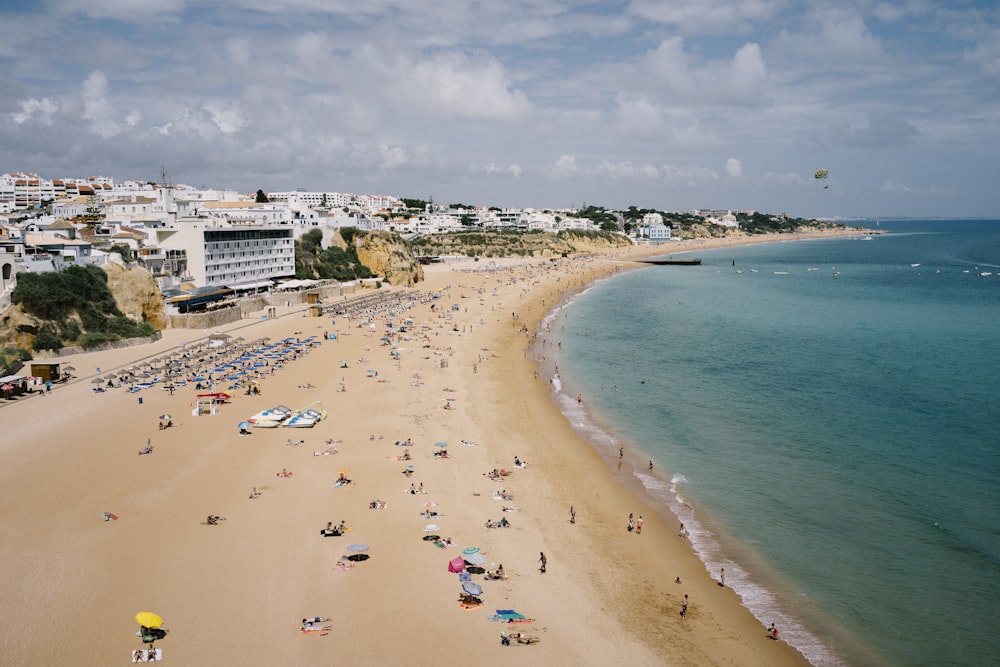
(262, 197)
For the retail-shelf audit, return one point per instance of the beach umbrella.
(468, 551)
(110, 376)
(430, 538)
(475, 559)
(69, 368)
(165, 418)
(430, 504)
(97, 381)
(358, 557)
(244, 425)
(343, 471)
(431, 527)
(472, 588)
(148, 619)
(357, 548)
(440, 443)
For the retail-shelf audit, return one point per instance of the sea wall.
(246, 306)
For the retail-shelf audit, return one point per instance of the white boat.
(307, 417)
(265, 423)
(914, 265)
(277, 414)
(304, 419)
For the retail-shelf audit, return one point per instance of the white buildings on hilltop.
(212, 238)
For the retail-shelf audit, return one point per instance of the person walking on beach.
(572, 514)
(621, 452)
(631, 523)
(722, 577)
(638, 526)
(772, 632)
(684, 606)
(542, 562)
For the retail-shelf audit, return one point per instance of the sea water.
(824, 417)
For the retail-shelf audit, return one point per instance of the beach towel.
(147, 655)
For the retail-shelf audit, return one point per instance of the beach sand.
(234, 593)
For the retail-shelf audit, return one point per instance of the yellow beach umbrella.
(148, 619)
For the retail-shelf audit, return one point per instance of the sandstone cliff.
(388, 257)
(506, 244)
(136, 294)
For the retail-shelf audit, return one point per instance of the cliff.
(136, 294)
(388, 257)
(524, 244)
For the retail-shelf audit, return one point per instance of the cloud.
(705, 16)
(734, 168)
(493, 168)
(985, 56)
(684, 79)
(41, 111)
(455, 84)
(879, 130)
(116, 9)
(896, 186)
(97, 109)
(565, 167)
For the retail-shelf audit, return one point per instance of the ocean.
(821, 415)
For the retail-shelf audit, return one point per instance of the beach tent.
(456, 564)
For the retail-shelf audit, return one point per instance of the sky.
(664, 104)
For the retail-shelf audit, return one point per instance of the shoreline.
(71, 455)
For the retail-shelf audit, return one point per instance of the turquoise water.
(830, 433)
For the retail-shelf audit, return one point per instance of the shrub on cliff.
(64, 298)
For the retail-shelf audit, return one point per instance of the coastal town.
(245, 243)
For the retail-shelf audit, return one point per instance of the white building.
(243, 254)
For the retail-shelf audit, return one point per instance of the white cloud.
(896, 186)
(627, 171)
(460, 85)
(392, 156)
(227, 117)
(566, 166)
(985, 55)
(705, 16)
(116, 9)
(97, 109)
(734, 168)
(40, 110)
(684, 79)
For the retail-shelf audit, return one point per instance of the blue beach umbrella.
(244, 425)
(357, 548)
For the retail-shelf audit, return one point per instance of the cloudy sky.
(667, 104)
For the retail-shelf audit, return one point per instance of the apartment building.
(243, 254)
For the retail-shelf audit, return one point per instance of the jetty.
(669, 261)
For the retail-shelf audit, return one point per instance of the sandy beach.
(235, 593)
